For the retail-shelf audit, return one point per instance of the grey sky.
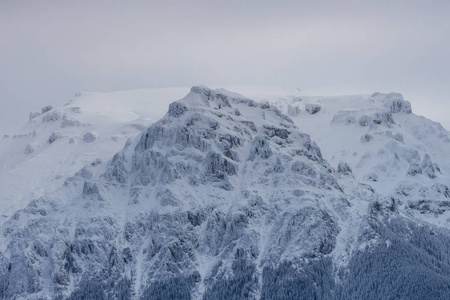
(51, 49)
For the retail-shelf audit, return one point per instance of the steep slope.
(58, 142)
(217, 190)
(398, 153)
(226, 198)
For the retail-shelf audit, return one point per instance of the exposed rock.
(383, 118)
(46, 109)
(312, 108)
(344, 168)
(33, 115)
(260, 148)
(414, 169)
(428, 167)
(70, 123)
(396, 104)
(89, 137)
(366, 138)
(215, 202)
(28, 149)
(371, 177)
(365, 120)
(304, 168)
(52, 116)
(52, 138)
(176, 109)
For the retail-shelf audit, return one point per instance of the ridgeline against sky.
(50, 50)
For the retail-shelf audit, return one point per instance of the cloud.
(54, 48)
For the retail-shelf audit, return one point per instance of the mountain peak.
(394, 102)
(224, 132)
(226, 197)
(200, 89)
(203, 96)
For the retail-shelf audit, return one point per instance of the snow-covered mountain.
(224, 197)
(398, 153)
(58, 142)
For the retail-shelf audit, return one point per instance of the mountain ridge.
(214, 200)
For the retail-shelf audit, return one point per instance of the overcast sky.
(50, 50)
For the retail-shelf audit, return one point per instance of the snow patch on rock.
(312, 108)
(89, 137)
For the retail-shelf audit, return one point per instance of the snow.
(117, 116)
(56, 144)
(219, 152)
(27, 159)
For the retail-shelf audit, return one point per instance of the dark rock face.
(176, 109)
(344, 168)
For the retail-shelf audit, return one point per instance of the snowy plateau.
(254, 194)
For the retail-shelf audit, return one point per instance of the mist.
(52, 49)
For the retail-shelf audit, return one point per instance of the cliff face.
(227, 198)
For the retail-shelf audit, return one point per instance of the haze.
(49, 50)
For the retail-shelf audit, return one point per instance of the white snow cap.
(394, 102)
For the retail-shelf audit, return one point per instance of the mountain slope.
(227, 198)
(398, 153)
(58, 142)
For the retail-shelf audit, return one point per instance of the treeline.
(172, 288)
(410, 261)
(240, 286)
(92, 289)
(310, 281)
(413, 263)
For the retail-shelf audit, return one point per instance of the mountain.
(58, 142)
(400, 154)
(228, 198)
